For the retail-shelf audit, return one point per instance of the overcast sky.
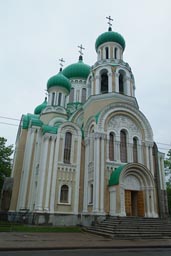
(34, 34)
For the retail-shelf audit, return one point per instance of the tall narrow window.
(135, 150)
(116, 51)
(83, 95)
(53, 98)
(91, 194)
(67, 147)
(111, 146)
(64, 194)
(59, 98)
(107, 52)
(123, 147)
(104, 82)
(121, 84)
(71, 96)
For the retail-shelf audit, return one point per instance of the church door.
(134, 203)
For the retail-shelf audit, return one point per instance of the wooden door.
(128, 206)
(140, 204)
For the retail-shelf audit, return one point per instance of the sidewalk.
(37, 241)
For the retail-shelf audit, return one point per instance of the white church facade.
(88, 150)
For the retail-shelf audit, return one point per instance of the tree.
(167, 165)
(5, 160)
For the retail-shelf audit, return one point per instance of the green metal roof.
(40, 107)
(110, 36)
(49, 129)
(114, 178)
(77, 70)
(26, 120)
(59, 80)
(36, 122)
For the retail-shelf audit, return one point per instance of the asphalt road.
(92, 252)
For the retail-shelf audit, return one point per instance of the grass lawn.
(7, 227)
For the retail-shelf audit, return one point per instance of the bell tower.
(110, 73)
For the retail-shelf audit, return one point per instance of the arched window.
(135, 150)
(71, 96)
(107, 52)
(116, 51)
(64, 194)
(111, 146)
(123, 146)
(91, 152)
(104, 82)
(59, 98)
(121, 83)
(83, 95)
(67, 147)
(53, 98)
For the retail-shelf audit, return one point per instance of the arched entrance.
(132, 191)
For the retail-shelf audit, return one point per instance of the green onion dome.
(110, 36)
(40, 107)
(77, 70)
(59, 80)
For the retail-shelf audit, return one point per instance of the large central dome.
(110, 36)
(77, 70)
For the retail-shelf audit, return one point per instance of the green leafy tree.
(167, 164)
(5, 160)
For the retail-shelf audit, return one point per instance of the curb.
(84, 248)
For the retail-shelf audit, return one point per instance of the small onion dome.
(110, 36)
(40, 107)
(59, 80)
(77, 70)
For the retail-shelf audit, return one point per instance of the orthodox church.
(88, 150)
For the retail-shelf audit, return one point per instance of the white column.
(128, 88)
(92, 87)
(112, 191)
(49, 177)
(26, 170)
(31, 198)
(147, 156)
(62, 100)
(97, 85)
(151, 161)
(140, 159)
(116, 82)
(77, 178)
(102, 177)
(85, 196)
(153, 214)
(122, 202)
(41, 177)
(117, 152)
(49, 98)
(54, 175)
(110, 82)
(96, 175)
(130, 151)
(147, 194)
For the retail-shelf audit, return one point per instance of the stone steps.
(133, 228)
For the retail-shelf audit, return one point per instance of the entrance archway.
(132, 191)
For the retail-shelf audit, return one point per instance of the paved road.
(93, 252)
